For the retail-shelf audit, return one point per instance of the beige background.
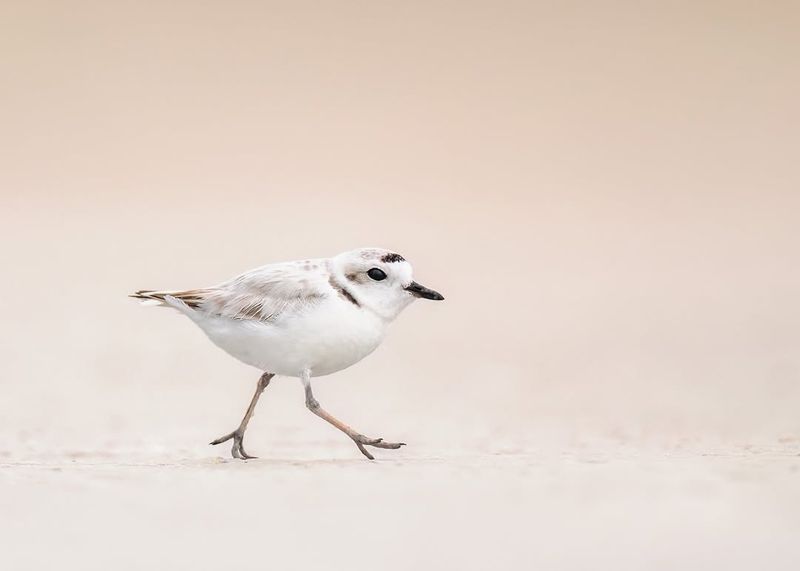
(607, 194)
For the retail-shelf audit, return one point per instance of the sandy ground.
(607, 506)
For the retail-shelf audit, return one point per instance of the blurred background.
(608, 199)
(606, 193)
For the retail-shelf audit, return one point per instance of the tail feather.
(190, 298)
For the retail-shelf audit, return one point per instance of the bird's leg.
(237, 451)
(358, 438)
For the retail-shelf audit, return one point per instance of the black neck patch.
(342, 291)
(349, 297)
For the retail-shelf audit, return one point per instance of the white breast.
(332, 336)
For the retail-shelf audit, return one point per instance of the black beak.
(421, 291)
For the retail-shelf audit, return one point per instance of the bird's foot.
(362, 441)
(237, 450)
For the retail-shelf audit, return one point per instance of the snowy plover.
(302, 319)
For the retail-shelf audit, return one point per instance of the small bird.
(306, 318)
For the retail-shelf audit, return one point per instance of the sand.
(610, 507)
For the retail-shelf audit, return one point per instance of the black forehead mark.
(392, 257)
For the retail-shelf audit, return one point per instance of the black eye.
(377, 274)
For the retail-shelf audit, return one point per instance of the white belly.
(328, 338)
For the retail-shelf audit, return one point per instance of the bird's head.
(380, 280)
